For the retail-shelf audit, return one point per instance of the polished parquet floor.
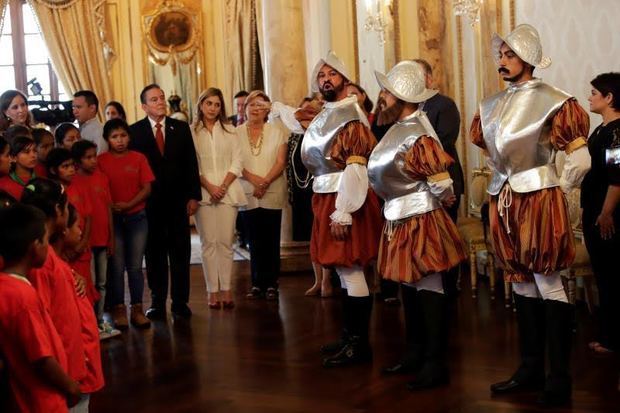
(263, 357)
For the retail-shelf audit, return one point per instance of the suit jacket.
(176, 172)
(446, 120)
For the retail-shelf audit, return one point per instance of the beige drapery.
(242, 63)
(3, 7)
(72, 34)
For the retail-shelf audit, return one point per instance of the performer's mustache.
(327, 83)
(503, 70)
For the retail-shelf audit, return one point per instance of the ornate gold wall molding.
(464, 133)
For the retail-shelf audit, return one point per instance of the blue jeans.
(130, 232)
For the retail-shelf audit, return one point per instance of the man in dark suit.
(445, 118)
(167, 144)
(239, 118)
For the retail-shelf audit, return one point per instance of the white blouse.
(273, 138)
(219, 153)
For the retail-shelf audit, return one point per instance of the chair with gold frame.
(473, 232)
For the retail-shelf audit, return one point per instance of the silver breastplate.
(319, 138)
(404, 196)
(516, 125)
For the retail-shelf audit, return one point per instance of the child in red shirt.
(5, 158)
(130, 184)
(58, 290)
(64, 245)
(61, 168)
(45, 142)
(23, 151)
(66, 134)
(88, 176)
(28, 339)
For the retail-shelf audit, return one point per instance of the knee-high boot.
(413, 358)
(434, 371)
(558, 384)
(335, 346)
(357, 348)
(531, 372)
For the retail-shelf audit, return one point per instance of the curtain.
(4, 4)
(72, 30)
(243, 61)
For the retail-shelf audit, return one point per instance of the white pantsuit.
(218, 154)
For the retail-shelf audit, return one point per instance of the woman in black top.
(600, 200)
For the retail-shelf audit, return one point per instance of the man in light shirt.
(85, 108)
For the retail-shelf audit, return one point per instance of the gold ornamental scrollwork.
(56, 4)
(172, 34)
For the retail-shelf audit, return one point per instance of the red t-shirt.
(28, 335)
(127, 174)
(40, 170)
(55, 285)
(98, 187)
(14, 189)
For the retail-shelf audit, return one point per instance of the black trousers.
(604, 261)
(168, 242)
(263, 226)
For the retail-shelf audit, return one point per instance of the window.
(24, 55)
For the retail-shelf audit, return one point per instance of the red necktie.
(159, 138)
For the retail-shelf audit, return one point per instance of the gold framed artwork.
(172, 34)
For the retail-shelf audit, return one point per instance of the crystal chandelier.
(469, 9)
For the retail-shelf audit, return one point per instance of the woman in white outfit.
(219, 165)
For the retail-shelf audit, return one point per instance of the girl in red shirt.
(58, 290)
(61, 168)
(66, 134)
(130, 184)
(45, 142)
(24, 154)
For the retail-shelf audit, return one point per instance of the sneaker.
(254, 292)
(107, 331)
(272, 294)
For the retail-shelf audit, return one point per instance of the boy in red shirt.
(28, 340)
(96, 183)
(45, 143)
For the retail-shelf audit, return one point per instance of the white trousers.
(433, 282)
(216, 227)
(353, 280)
(549, 287)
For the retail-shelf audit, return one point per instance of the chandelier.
(469, 9)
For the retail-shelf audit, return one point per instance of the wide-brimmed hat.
(330, 60)
(406, 81)
(525, 42)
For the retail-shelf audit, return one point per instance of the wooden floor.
(263, 357)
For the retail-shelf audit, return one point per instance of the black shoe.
(181, 310)
(354, 352)
(336, 346)
(254, 293)
(554, 398)
(271, 294)
(513, 386)
(156, 313)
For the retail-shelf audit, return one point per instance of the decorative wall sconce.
(375, 17)
(469, 9)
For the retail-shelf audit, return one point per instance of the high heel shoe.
(216, 305)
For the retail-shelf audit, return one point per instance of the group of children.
(63, 211)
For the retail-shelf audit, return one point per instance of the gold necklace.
(255, 148)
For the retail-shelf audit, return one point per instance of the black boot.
(558, 385)
(434, 371)
(335, 346)
(413, 358)
(357, 350)
(531, 323)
